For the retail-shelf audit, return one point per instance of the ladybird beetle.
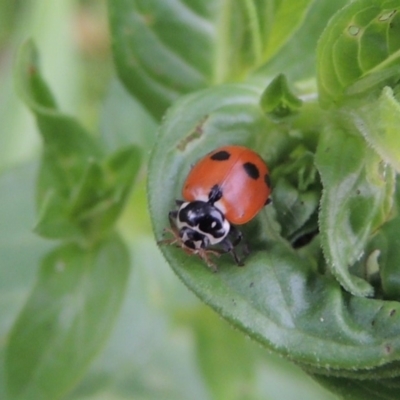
(227, 187)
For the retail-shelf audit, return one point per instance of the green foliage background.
(89, 308)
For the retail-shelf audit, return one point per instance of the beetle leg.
(236, 234)
(228, 247)
(230, 243)
(204, 255)
(172, 215)
(177, 240)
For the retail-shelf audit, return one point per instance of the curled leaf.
(378, 120)
(279, 298)
(277, 99)
(357, 193)
(359, 50)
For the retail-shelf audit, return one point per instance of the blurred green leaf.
(278, 298)
(53, 219)
(357, 198)
(359, 50)
(104, 191)
(8, 15)
(67, 146)
(154, 42)
(50, 24)
(220, 348)
(66, 319)
(124, 121)
(20, 249)
(66, 143)
(77, 194)
(97, 202)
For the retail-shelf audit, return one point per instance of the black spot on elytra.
(251, 170)
(268, 201)
(267, 180)
(220, 156)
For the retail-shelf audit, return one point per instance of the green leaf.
(378, 120)
(66, 319)
(67, 146)
(124, 121)
(297, 59)
(78, 193)
(294, 209)
(296, 194)
(104, 191)
(356, 200)
(354, 389)
(381, 258)
(287, 17)
(279, 298)
(277, 99)
(230, 374)
(153, 43)
(388, 258)
(53, 220)
(347, 65)
(168, 344)
(20, 249)
(98, 200)
(19, 141)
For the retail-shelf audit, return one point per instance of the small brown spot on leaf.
(388, 349)
(148, 19)
(193, 135)
(32, 70)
